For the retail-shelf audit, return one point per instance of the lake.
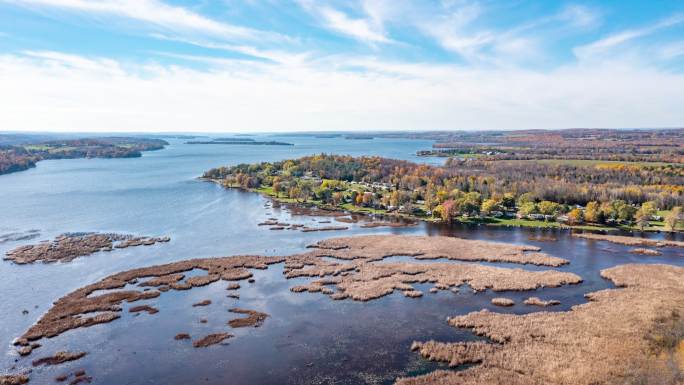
(307, 339)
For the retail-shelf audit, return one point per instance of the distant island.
(247, 141)
(22, 156)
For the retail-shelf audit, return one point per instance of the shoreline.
(486, 221)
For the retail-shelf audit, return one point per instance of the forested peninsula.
(499, 192)
(22, 156)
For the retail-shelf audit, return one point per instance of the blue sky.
(225, 65)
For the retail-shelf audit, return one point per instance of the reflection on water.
(308, 338)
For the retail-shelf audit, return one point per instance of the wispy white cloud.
(154, 12)
(366, 29)
(579, 16)
(671, 50)
(274, 55)
(50, 90)
(620, 39)
(461, 27)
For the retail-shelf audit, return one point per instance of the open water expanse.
(307, 339)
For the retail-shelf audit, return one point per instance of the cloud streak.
(50, 90)
(154, 12)
(365, 29)
(608, 43)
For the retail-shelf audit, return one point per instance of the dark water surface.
(307, 339)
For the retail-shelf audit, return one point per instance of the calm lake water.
(308, 338)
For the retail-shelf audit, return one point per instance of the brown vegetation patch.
(455, 354)
(642, 251)
(233, 286)
(387, 224)
(206, 302)
(536, 301)
(254, 318)
(377, 247)
(505, 302)
(346, 220)
(68, 247)
(182, 336)
(13, 379)
(600, 342)
(80, 309)
(364, 281)
(147, 308)
(629, 241)
(211, 339)
(59, 358)
(324, 228)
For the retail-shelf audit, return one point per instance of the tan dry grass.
(536, 301)
(211, 339)
(254, 318)
(600, 342)
(377, 247)
(629, 241)
(68, 247)
(79, 309)
(14, 379)
(59, 358)
(364, 281)
(505, 302)
(643, 251)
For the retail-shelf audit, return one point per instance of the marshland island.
(631, 332)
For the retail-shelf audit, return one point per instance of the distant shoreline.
(245, 142)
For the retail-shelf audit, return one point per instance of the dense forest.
(576, 192)
(663, 145)
(18, 157)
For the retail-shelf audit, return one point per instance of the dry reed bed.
(629, 241)
(364, 281)
(377, 247)
(505, 302)
(147, 308)
(360, 279)
(78, 309)
(536, 301)
(59, 358)
(14, 379)
(642, 251)
(323, 228)
(68, 247)
(372, 225)
(254, 318)
(211, 339)
(599, 342)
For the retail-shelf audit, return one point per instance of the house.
(536, 217)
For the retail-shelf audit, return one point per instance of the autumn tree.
(592, 212)
(489, 205)
(548, 207)
(674, 218)
(575, 216)
(527, 208)
(644, 214)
